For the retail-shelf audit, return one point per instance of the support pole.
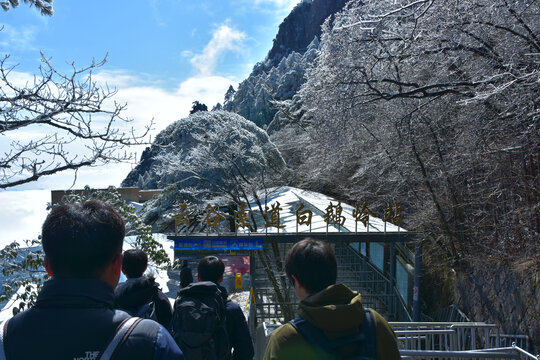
(392, 280)
(417, 280)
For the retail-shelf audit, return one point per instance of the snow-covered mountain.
(279, 77)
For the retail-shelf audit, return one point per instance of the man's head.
(184, 263)
(312, 264)
(134, 263)
(83, 241)
(210, 268)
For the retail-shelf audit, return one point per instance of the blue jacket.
(75, 319)
(237, 330)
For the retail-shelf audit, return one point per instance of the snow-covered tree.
(211, 154)
(433, 104)
(255, 97)
(45, 7)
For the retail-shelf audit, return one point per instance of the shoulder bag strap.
(120, 336)
(3, 330)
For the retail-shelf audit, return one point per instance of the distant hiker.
(74, 316)
(220, 326)
(186, 277)
(333, 323)
(140, 295)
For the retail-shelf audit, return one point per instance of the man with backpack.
(186, 277)
(333, 323)
(140, 295)
(74, 316)
(205, 324)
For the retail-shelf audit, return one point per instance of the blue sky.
(161, 56)
(162, 41)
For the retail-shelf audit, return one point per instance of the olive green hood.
(336, 309)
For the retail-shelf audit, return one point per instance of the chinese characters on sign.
(303, 217)
(241, 217)
(332, 216)
(271, 216)
(213, 217)
(391, 214)
(363, 214)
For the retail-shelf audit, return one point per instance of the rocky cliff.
(299, 29)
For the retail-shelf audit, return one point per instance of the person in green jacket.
(333, 308)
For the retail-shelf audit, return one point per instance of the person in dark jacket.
(139, 290)
(211, 268)
(186, 277)
(74, 316)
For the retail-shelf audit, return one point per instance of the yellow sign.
(238, 282)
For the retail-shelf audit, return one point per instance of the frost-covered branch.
(74, 123)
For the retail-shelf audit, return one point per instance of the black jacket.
(134, 293)
(75, 319)
(186, 277)
(237, 330)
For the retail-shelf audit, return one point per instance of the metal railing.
(446, 340)
(513, 352)
(461, 340)
(506, 340)
(446, 336)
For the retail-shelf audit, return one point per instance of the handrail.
(528, 354)
(500, 353)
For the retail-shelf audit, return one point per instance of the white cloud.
(224, 38)
(17, 78)
(22, 214)
(187, 53)
(145, 103)
(116, 78)
(15, 39)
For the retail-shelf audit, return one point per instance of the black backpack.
(147, 310)
(365, 339)
(199, 322)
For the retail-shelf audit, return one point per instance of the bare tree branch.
(78, 122)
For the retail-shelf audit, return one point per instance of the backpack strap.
(122, 333)
(317, 338)
(368, 328)
(3, 331)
